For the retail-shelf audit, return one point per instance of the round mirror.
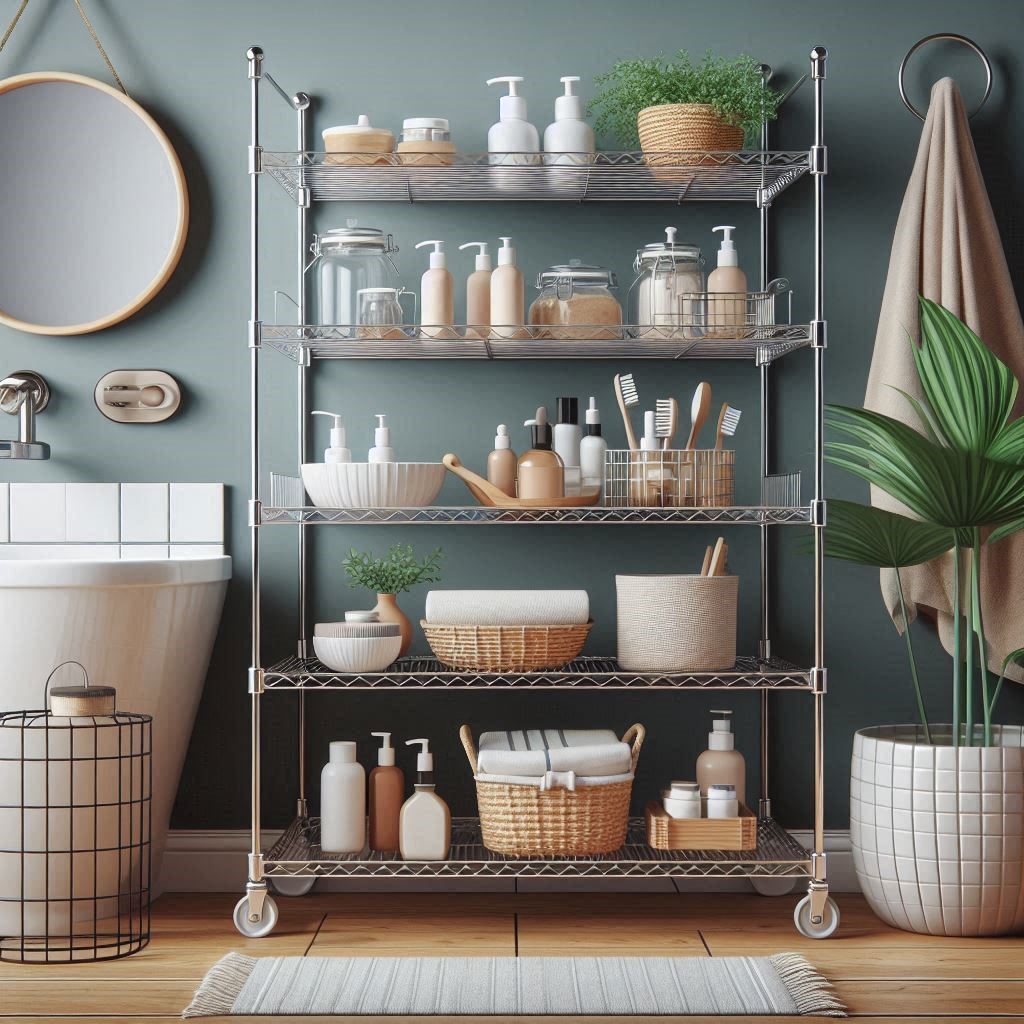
(93, 208)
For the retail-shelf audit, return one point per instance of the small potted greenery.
(394, 574)
(675, 106)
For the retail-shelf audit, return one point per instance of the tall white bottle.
(437, 294)
(425, 823)
(592, 449)
(512, 139)
(508, 295)
(343, 801)
(566, 443)
(569, 139)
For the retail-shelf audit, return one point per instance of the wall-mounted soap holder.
(138, 396)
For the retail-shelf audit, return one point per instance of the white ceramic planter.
(937, 832)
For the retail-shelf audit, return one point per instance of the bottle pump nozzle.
(382, 432)
(721, 737)
(501, 438)
(541, 429)
(483, 257)
(511, 106)
(337, 429)
(569, 105)
(424, 759)
(506, 253)
(386, 754)
(727, 253)
(437, 257)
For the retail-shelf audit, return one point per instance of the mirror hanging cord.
(88, 24)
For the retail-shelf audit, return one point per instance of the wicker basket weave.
(523, 821)
(506, 648)
(675, 130)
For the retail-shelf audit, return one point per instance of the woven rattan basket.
(506, 648)
(524, 821)
(675, 130)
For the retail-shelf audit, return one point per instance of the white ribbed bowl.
(357, 653)
(373, 484)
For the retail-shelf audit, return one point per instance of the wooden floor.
(878, 972)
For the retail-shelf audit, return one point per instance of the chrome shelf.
(751, 515)
(297, 854)
(750, 176)
(423, 673)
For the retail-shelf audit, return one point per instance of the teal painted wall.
(185, 62)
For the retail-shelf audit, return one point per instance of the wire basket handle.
(56, 669)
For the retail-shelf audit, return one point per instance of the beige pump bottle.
(501, 463)
(541, 473)
(387, 791)
(727, 313)
(425, 823)
(721, 763)
(436, 294)
(478, 293)
(508, 295)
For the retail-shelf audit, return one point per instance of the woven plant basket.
(523, 821)
(671, 131)
(506, 648)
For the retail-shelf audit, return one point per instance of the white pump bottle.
(478, 292)
(568, 139)
(425, 823)
(436, 294)
(338, 451)
(593, 448)
(512, 139)
(381, 450)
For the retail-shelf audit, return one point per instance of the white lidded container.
(358, 143)
(666, 297)
(342, 801)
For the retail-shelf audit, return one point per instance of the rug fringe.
(811, 992)
(218, 991)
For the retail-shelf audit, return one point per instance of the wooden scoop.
(487, 494)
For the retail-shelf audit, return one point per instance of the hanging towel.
(534, 752)
(507, 607)
(947, 248)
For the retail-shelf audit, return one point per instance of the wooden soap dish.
(487, 494)
(667, 833)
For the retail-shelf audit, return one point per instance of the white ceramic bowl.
(357, 653)
(373, 484)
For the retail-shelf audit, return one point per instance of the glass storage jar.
(576, 303)
(667, 298)
(426, 141)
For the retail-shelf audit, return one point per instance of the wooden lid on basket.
(82, 701)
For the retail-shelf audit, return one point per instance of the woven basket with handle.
(506, 648)
(672, 131)
(524, 821)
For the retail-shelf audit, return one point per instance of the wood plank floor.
(887, 975)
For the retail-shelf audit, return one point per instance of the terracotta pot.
(937, 831)
(672, 128)
(388, 610)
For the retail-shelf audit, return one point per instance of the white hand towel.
(536, 751)
(507, 607)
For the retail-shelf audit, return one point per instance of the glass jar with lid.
(576, 303)
(426, 141)
(666, 299)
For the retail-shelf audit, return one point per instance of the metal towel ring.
(952, 36)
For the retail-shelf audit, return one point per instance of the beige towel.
(947, 248)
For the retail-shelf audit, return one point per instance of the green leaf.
(1009, 444)
(1006, 530)
(872, 536)
(931, 428)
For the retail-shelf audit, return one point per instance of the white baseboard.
(215, 861)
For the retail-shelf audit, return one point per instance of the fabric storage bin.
(676, 623)
(554, 792)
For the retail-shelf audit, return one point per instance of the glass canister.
(349, 260)
(576, 303)
(666, 299)
(426, 141)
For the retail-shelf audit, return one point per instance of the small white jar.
(682, 800)
(722, 802)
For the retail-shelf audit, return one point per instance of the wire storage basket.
(75, 830)
(669, 478)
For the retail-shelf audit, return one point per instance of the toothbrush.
(627, 396)
(698, 411)
(728, 421)
(666, 412)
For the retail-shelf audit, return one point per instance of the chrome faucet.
(24, 394)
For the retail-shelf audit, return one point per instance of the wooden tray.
(487, 494)
(665, 833)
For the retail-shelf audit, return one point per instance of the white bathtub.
(146, 627)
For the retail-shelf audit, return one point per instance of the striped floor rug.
(478, 986)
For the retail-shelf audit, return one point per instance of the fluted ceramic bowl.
(353, 654)
(373, 484)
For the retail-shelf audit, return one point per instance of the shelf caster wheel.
(255, 929)
(285, 886)
(829, 919)
(772, 886)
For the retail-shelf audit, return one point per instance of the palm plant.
(960, 474)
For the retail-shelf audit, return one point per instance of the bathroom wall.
(185, 62)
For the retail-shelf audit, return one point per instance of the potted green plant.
(398, 571)
(673, 106)
(937, 810)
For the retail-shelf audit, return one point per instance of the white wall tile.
(130, 552)
(144, 513)
(197, 513)
(38, 513)
(93, 513)
(58, 552)
(5, 513)
(196, 550)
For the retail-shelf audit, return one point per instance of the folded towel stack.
(507, 607)
(531, 753)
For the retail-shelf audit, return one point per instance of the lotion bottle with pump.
(436, 294)
(567, 437)
(512, 139)
(568, 139)
(425, 823)
(478, 293)
(540, 475)
(592, 449)
(387, 791)
(721, 764)
(730, 310)
(508, 295)
(381, 450)
(501, 463)
(343, 801)
(337, 452)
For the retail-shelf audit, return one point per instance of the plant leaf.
(1006, 530)
(873, 536)
(924, 414)
(1009, 444)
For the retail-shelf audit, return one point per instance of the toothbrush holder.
(670, 478)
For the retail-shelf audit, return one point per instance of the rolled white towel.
(536, 751)
(507, 607)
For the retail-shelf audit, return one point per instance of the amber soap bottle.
(387, 793)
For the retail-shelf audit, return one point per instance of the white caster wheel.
(769, 886)
(255, 929)
(829, 919)
(286, 886)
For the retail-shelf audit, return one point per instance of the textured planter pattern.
(937, 833)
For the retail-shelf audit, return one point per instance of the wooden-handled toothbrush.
(698, 412)
(627, 396)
